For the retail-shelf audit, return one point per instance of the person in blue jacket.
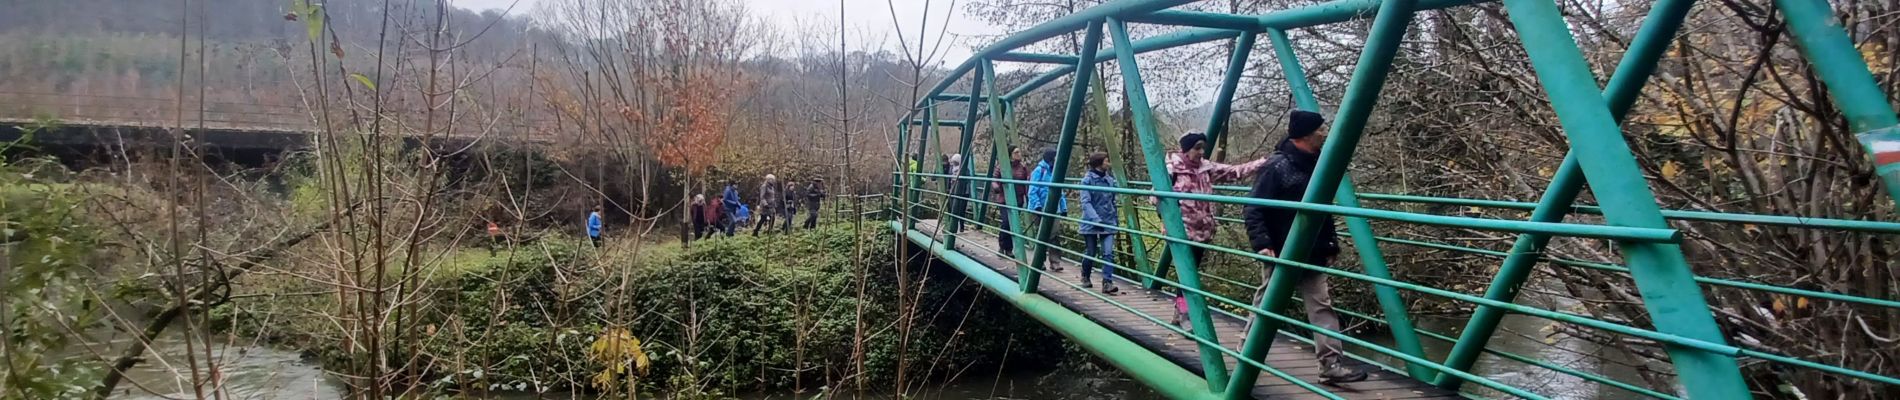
(594, 225)
(731, 203)
(1039, 195)
(1099, 218)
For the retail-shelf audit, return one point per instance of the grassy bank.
(728, 315)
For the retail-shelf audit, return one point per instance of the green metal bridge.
(947, 215)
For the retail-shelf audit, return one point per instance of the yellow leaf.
(1670, 169)
(1800, 303)
(1779, 306)
(1545, 172)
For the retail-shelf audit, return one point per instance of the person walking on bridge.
(1192, 172)
(1017, 171)
(769, 199)
(814, 197)
(1285, 177)
(729, 204)
(1039, 195)
(1099, 217)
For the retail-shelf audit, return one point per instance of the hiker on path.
(769, 199)
(1285, 177)
(814, 197)
(730, 204)
(1099, 217)
(699, 219)
(789, 202)
(710, 213)
(594, 225)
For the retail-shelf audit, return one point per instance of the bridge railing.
(1669, 291)
(1231, 301)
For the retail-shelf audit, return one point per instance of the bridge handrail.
(1513, 226)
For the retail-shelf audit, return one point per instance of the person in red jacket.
(710, 212)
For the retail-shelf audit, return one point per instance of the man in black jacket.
(1285, 178)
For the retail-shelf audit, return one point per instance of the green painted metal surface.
(1598, 157)
(1151, 149)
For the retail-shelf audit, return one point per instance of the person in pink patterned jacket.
(1192, 172)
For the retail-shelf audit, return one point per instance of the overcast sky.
(866, 21)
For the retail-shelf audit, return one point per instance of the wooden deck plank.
(1289, 356)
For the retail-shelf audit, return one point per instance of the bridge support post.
(960, 186)
(1212, 361)
(1850, 83)
(1362, 94)
(1404, 335)
(1002, 137)
(1625, 86)
(1113, 143)
(1071, 120)
(1662, 276)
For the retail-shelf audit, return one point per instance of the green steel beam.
(968, 136)
(1111, 141)
(1071, 122)
(1003, 134)
(1034, 58)
(1626, 85)
(1236, 22)
(1299, 17)
(1137, 96)
(1832, 54)
(1224, 99)
(958, 97)
(1663, 279)
(1404, 335)
(1139, 362)
(1362, 94)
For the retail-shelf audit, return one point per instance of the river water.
(261, 372)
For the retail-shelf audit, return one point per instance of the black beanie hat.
(1302, 123)
(1190, 139)
(1049, 155)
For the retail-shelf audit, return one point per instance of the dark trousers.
(1004, 240)
(699, 229)
(728, 224)
(1101, 246)
(790, 214)
(596, 240)
(765, 220)
(811, 217)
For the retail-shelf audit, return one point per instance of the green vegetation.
(726, 316)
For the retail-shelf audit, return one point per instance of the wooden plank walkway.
(1288, 355)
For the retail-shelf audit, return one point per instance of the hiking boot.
(1336, 373)
(1085, 283)
(1109, 288)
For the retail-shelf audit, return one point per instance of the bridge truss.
(1706, 364)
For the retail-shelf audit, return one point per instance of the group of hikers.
(727, 213)
(1283, 175)
(777, 200)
